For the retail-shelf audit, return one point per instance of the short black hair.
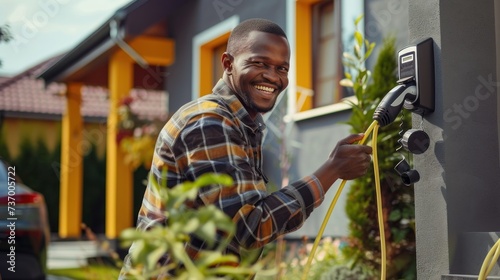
(241, 31)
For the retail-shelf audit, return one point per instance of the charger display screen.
(407, 58)
(407, 65)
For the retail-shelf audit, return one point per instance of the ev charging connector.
(415, 89)
(392, 103)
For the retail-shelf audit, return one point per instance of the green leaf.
(208, 179)
(346, 83)
(350, 65)
(138, 248)
(232, 271)
(191, 225)
(207, 232)
(359, 38)
(348, 56)
(369, 50)
(357, 51)
(129, 234)
(358, 19)
(213, 258)
(154, 255)
(362, 75)
(348, 75)
(395, 215)
(398, 234)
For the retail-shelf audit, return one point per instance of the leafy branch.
(207, 223)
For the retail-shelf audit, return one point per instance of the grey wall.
(472, 171)
(315, 139)
(318, 137)
(385, 18)
(455, 199)
(430, 203)
(199, 15)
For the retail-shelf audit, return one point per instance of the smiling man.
(222, 133)
(256, 67)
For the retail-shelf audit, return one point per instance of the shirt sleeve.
(213, 143)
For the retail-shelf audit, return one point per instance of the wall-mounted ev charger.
(414, 92)
(416, 63)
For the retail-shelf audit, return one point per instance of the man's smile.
(265, 91)
(265, 88)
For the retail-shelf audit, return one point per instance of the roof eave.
(131, 19)
(90, 48)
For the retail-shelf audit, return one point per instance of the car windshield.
(4, 179)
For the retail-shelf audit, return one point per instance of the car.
(24, 228)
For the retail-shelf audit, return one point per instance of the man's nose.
(271, 75)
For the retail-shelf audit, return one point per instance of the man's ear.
(227, 62)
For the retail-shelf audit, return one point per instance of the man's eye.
(283, 69)
(258, 63)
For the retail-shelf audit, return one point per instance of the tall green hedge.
(398, 199)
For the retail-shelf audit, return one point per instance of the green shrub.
(206, 222)
(398, 206)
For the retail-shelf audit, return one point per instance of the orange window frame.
(206, 69)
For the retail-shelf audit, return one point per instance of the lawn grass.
(94, 272)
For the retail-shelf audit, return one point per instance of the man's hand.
(351, 160)
(347, 161)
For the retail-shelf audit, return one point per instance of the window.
(326, 59)
(210, 66)
(208, 47)
(318, 54)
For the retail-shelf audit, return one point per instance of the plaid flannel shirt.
(216, 134)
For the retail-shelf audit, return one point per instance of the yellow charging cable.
(380, 215)
(373, 127)
(490, 261)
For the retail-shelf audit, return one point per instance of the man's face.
(258, 73)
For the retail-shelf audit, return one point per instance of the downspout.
(116, 35)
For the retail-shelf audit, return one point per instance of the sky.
(46, 28)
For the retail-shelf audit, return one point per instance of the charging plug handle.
(392, 103)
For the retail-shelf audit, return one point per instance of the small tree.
(398, 207)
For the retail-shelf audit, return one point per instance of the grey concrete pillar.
(457, 199)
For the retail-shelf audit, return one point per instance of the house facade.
(175, 45)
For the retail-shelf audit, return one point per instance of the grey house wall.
(197, 17)
(457, 205)
(317, 138)
(385, 18)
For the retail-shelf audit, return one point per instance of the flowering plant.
(135, 137)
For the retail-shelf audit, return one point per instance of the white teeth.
(264, 88)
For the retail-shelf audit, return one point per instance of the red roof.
(25, 94)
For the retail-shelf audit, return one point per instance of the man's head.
(256, 64)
